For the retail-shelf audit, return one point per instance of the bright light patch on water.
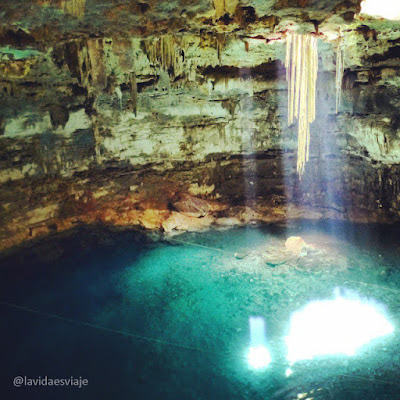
(339, 326)
(288, 372)
(259, 355)
(389, 9)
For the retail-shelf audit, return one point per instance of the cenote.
(149, 318)
(199, 199)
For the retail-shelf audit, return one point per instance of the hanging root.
(301, 74)
(339, 73)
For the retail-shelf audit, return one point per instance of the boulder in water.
(295, 244)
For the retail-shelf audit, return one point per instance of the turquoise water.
(170, 320)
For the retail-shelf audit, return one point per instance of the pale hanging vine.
(301, 74)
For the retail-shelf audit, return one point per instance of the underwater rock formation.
(295, 244)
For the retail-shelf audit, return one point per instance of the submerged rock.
(295, 244)
(240, 255)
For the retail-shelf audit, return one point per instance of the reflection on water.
(339, 326)
(322, 328)
(259, 356)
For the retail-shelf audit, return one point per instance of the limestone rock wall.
(184, 133)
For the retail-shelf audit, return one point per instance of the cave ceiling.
(76, 53)
(49, 20)
(45, 45)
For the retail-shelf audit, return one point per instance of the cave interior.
(200, 199)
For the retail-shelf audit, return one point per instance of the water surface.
(170, 320)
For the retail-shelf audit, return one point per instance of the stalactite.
(97, 138)
(97, 63)
(88, 65)
(91, 65)
(301, 74)
(223, 7)
(219, 6)
(59, 116)
(221, 42)
(2, 125)
(339, 73)
(134, 92)
(75, 8)
(84, 66)
(118, 93)
(167, 52)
